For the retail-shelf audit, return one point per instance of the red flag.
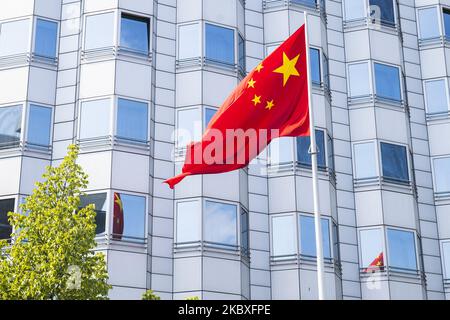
(376, 265)
(118, 222)
(271, 102)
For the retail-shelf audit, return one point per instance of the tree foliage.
(150, 295)
(51, 254)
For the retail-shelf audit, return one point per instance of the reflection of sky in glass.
(395, 164)
(447, 22)
(14, 37)
(315, 65)
(95, 119)
(365, 161)
(188, 221)
(209, 114)
(99, 31)
(436, 96)
(10, 124)
(132, 120)
(359, 79)
(219, 44)
(283, 236)
(428, 23)
(442, 174)
(281, 150)
(46, 34)
(387, 81)
(371, 246)
(39, 125)
(446, 257)
(308, 237)
(220, 223)
(402, 252)
(303, 144)
(134, 215)
(134, 33)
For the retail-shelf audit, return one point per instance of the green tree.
(150, 295)
(51, 254)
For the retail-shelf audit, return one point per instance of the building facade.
(132, 82)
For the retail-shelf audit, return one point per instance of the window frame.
(116, 120)
(235, 40)
(327, 167)
(370, 79)
(439, 20)
(200, 35)
(400, 80)
(367, 16)
(445, 268)
(377, 159)
(23, 111)
(416, 250)
(115, 28)
(30, 33)
(33, 44)
(15, 208)
(140, 16)
(175, 237)
(447, 94)
(27, 122)
(238, 224)
(383, 236)
(109, 206)
(408, 163)
(330, 236)
(111, 120)
(433, 172)
(294, 218)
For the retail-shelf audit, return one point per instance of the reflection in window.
(382, 10)
(128, 217)
(428, 23)
(283, 236)
(14, 37)
(220, 44)
(39, 125)
(309, 3)
(209, 114)
(99, 31)
(6, 206)
(365, 160)
(245, 232)
(303, 156)
(281, 151)
(395, 163)
(189, 41)
(447, 23)
(241, 51)
(355, 9)
(46, 38)
(95, 119)
(10, 126)
(371, 246)
(315, 65)
(436, 96)
(326, 71)
(402, 250)
(308, 237)
(387, 79)
(132, 120)
(188, 227)
(134, 33)
(99, 201)
(441, 175)
(220, 223)
(359, 85)
(446, 259)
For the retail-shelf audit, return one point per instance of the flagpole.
(315, 182)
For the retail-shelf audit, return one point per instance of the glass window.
(10, 126)
(395, 163)
(387, 80)
(132, 120)
(189, 126)
(383, 11)
(309, 3)
(128, 217)
(315, 65)
(270, 49)
(134, 33)
(281, 150)
(446, 259)
(447, 22)
(355, 9)
(39, 125)
(365, 160)
(326, 71)
(46, 38)
(308, 237)
(220, 44)
(99, 31)
(209, 114)
(220, 225)
(6, 206)
(303, 144)
(335, 235)
(188, 222)
(330, 151)
(99, 201)
(371, 246)
(189, 41)
(241, 51)
(359, 85)
(436, 96)
(402, 249)
(283, 236)
(244, 232)
(95, 118)
(428, 23)
(442, 174)
(14, 37)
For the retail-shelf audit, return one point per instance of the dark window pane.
(387, 80)
(447, 22)
(46, 38)
(134, 33)
(132, 120)
(303, 156)
(244, 232)
(5, 228)
(395, 163)
(10, 126)
(315, 65)
(220, 44)
(386, 10)
(241, 53)
(39, 125)
(99, 200)
(308, 237)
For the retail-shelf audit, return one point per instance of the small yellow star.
(288, 68)
(251, 83)
(270, 105)
(259, 67)
(256, 100)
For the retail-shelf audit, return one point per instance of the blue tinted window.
(447, 22)
(402, 249)
(46, 38)
(385, 10)
(309, 3)
(133, 217)
(134, 33)
(39, 125)
(220, 225)
(241, 53)
(132, 120)
(303, 156)
(209, 114)
(387, 80)
(395, 163)
(6, 206)
(220, 44)
(308, 237)
(315, 65)
(10, 126)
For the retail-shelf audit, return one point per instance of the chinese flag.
(118, 217)
(271, 102)
(376, 264)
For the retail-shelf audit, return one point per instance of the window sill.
(315, 9)
(380, 183)
(321, 88)
(372, 100)
(203, 63)
(438, 117)
(204, 247)
(442, 198)
(106, 241)
(436, 42)
(393, 274)
(24, 149)
(368, 23)
(305, 262)
(110, 143)
(303, 170)
(119, 53)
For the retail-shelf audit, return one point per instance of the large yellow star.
(256, 100)
(288, 68)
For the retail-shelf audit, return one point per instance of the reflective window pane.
(394, 161)
(39, 125)
(99, 201)
(436, 96)
(309, 3)
(220, 223)
(241, 51)
(189, 126)
(281, 151)
(387, 81)
(134, 33)
(283, 236)
(5, 228)
(10, 126)
(428, 23)
(447, 22)
(132, 120)
(326, 71)
(14, 37)
(303, 144)
(209, 114)
(95, 119)
(99, 31)
(315, 65)
(371, 246)
(308, 237)
(244, 232)
(402, 250)
(383, 11)
(189, 41)
(220, 44)
(129, 217)
(365, 160)
(355, 9)
(359, 84)
(446, 259)
(46, 38)
(188, 224)
(442, 174)
(330, 153)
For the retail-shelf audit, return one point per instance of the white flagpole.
(315, 182)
